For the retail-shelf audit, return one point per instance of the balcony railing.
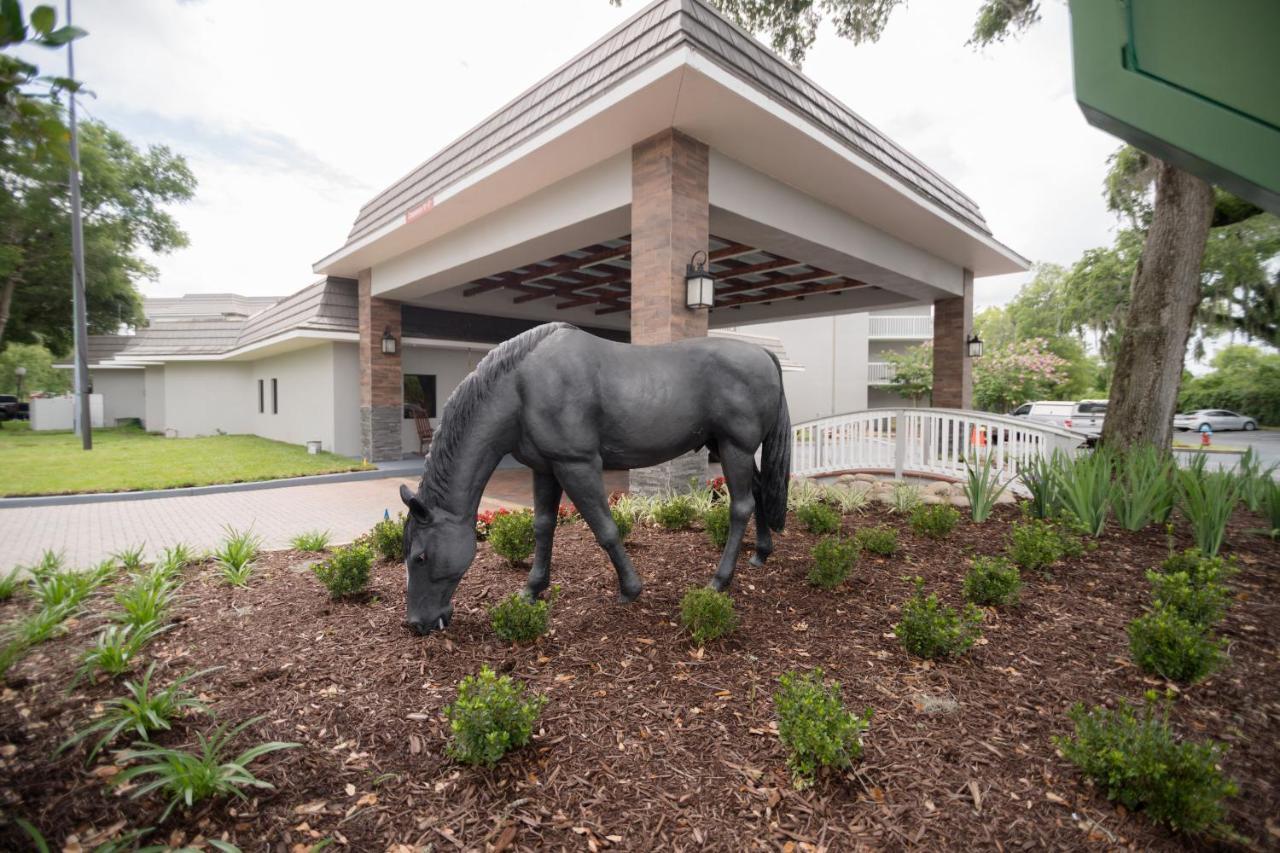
(901, 328)
(879, 372)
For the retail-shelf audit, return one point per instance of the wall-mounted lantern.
(700, 285)
(388, 342)
(975, 346)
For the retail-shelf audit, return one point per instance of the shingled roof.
(654, 32)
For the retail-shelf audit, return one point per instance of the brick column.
(670, 220)
(952, 368)
(381, 377)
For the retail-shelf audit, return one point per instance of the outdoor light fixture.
(19, 373)
(975, 346)
(388, 342)
(700, 285)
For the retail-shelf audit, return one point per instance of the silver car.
(1205, 420)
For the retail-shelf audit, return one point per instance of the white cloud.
(294, 113)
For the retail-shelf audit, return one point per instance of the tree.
(22, 89)
(1016, 373)
(41, 374)
(1245, 380)
(912, 372)
(124, 192)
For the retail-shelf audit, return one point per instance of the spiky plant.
(130, 559)
(235, 556)
(116, 647)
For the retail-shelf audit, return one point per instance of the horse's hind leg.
(584, 483)
(764, 538)
(739, 472)
(546, 506)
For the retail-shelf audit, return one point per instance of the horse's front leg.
(584, 483)
(546, 506)
(739, 472)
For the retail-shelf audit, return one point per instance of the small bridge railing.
(932, 442)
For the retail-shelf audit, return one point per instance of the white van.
(1083, 416)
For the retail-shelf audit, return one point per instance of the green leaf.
(62, 36)
(43, 19)
(12, 28)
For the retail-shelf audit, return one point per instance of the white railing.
(906, 328)
(880, 372)
(938, 442)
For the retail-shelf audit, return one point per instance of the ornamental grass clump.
(312, 541)
(192, 777)
(819, 518)
(511, 536)
(1137, 760)
(905, 498)
(1270, 508)
(234, 557)
(1084, 488)
(491, 716)
(934, 520)
(130, 559)
(1039, 477)
(116, 647)
(1255, 481)
(57, 588)
(930, 629)
(1207, 501)
(716, 521)
(346, 572)
(515, 619)
(624, 521)
(707, 615)
(992, 581)
(10, 584)
(983, 488)
(1143, 491)
(140, 710)
(1166, 643)
(833, 560)
(881, 539)
(814, 725)
(387, 538)
(676, 512)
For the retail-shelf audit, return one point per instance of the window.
(262, 396)
(275, 397)
(419, 395)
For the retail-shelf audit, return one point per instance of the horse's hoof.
(626, 596)
(530, 595)
(718, 585)
(756, 560)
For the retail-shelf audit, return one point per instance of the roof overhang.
(704, 98)
(279, 344)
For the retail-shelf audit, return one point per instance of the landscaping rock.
(927, 703)
(960, 501)
(938, 489)
(867, 478)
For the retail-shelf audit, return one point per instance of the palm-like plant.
(983, 487)
(1084, 488)
(130, 559)
(1143, 491)
(235, 556)
(146, 599)
(311, 541)
(1038, 476)
(190, 777)
(140, 710)
(1207, 501)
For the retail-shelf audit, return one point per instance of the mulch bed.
(647, 742)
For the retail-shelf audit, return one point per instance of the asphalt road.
(1265, 442)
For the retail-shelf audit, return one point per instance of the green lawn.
(126, 460)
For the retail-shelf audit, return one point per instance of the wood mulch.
(647, 742)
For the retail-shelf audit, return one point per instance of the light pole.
(83, 423)
(20, 373)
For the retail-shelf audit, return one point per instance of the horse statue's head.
(438, 548)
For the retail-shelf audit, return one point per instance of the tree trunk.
(6, 301)
(1163, 299)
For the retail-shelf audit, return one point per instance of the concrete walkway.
(90, 532)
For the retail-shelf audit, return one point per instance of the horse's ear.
(416, 509)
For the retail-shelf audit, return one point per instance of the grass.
(128, 459)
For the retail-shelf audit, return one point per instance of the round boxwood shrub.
(934, 520)
(490, 717)
(717, 524)
(1166, 643)
(346, 572)
(930, 629)
(992, 580)
(819, 518)
(511, 536)
(707, 614)
(676, 512)
(624, 522)
(881, 539)
(517, 620)
(814, 725)
(833, 560)
(387, 537)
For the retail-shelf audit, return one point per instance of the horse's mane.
(463, 402)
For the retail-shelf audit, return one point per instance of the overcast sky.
(293, 114)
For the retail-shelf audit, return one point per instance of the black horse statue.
(568, 405)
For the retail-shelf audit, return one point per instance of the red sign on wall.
(421, 210)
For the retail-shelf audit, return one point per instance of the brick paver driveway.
(88, 533)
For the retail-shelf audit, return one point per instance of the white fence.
(904, 328)
(939, 442)
(880, 372)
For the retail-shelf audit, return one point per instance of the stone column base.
(670, 477)
(380, 433)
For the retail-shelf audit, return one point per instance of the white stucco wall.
(153, 386)
(450, 366)
(346, 399)
(123, 394)
(201, 398)
(305, 388)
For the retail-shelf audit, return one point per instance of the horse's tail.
(775, 462)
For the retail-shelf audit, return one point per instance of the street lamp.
(20, 373)
(700, 285)
(388, 342)
(975, 346)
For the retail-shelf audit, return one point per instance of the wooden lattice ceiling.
(600, 274)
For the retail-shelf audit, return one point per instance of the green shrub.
(881, 539)
(992, 580)
(930, 629)
(1199, 603)
(57, 588)
(814, 725)
(676, 512)
(716, 520)
(346, 572)
(1036, 544)
(490, 717)
(819, 518)
(1165, 643)
(982, 487)
(387, 537)
(624, 521)
(10, 584)
(511, 536)
(517, 620)
(1207, 501)
(707, 614)
(140, 710)
(312, 541)
(1137, 761)
(934, 520)
(191, 777)
(833, 560)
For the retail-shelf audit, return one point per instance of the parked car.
(1204, 420)
(8, 407)
(1082, 416)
